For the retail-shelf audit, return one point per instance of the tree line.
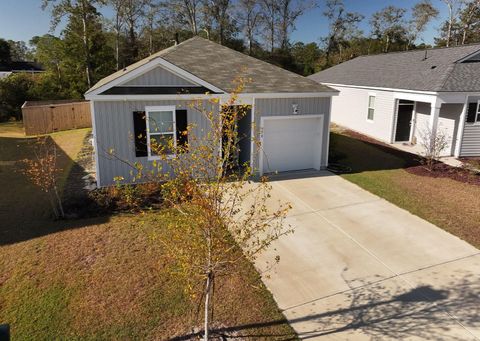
(101, 36)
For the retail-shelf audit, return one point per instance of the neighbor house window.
(477, 116)
(371, 107)
(473, 112)
(161, 131)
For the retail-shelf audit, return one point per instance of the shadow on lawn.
(361, 154)
(385, 309)
(25, 211)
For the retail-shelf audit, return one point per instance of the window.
(161, 131)
(473, 112)
(371, 107)
(477, 116)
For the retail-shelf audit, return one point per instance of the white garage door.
(291, 143)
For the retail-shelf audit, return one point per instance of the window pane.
(371, 101)
(160, 121)
(161, 144)
(371, 113)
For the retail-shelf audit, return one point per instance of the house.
(292, 112)
(399, 97)
(7, 68)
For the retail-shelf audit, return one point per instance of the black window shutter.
(472, 112)
(140, 131)
(181, 123)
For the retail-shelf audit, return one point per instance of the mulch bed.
(442, 170)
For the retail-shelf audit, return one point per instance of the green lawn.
(104, 278)
(451, 205)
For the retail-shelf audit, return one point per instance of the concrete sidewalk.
(358, 267)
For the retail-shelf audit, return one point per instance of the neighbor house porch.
(416, 117)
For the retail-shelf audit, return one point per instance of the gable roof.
(440, 71)
(219, 66)
(20, 66)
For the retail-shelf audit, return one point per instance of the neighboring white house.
(395, 97)
(6, 69)
(292, 112)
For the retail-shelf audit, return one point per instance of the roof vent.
(426, 55)
(433, 67)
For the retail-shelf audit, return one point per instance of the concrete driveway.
(358, 267)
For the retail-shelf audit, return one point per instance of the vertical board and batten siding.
(350, 109)
(422, 117)
(471, 136)
(114, 130)
(284, 107)
(448, 122)
(159, 77)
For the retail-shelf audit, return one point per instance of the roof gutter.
(423, 92)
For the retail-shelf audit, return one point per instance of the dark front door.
(404, 118)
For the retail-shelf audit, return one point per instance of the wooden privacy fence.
(50, 116)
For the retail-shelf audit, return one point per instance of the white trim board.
(149, 109)
(382, 89)
(129, 75)
(222, 96)
(445, 96)
(95, 143)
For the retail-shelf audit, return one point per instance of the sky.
(23, 19)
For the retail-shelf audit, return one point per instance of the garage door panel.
(292, 143)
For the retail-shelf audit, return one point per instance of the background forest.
(91, 45)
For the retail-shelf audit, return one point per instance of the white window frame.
(171, 108)
(477, 114)
(371, 94)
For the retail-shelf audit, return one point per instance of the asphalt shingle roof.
(220, 65)
(409, 70)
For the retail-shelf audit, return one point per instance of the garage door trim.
(285, 117)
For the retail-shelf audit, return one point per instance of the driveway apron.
(358, 267)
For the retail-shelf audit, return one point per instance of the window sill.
(157, 158)
(370, 121)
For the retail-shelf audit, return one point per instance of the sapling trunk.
(208, 287)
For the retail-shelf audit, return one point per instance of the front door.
(404, 122)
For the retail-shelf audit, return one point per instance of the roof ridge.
(253, 58)
(448, 74)
(169, 49)
(420, 50)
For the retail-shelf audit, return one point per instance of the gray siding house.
(292, 112)
(396, 97)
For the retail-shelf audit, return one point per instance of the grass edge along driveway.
(451, 205)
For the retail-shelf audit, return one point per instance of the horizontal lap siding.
(114, 130)
(471, 141)
(350, 110)
(159, 76)
(284, 107)
(471, 136)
